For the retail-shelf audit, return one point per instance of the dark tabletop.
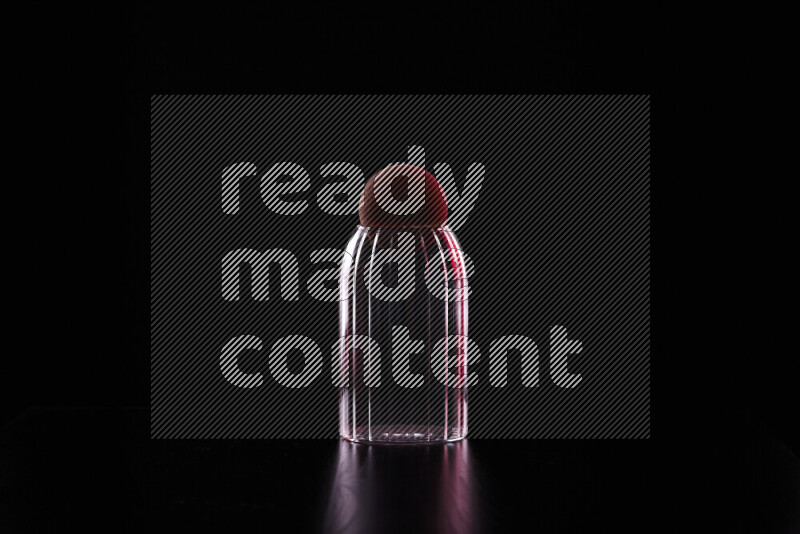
(65, 469)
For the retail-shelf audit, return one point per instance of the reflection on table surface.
(413, 488)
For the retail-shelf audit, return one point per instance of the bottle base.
(402, 434)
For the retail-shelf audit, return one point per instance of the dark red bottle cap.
(403, 196)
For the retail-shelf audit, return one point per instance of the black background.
(77, 251)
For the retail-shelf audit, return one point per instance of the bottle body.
(403, 336)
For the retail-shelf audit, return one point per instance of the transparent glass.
(403, 346)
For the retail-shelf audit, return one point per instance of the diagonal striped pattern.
(549, 195)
